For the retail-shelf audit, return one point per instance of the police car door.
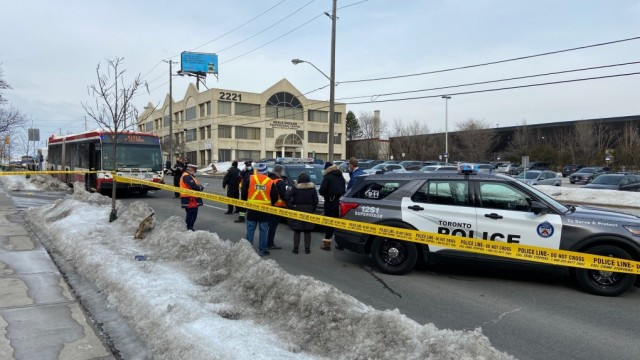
(442, 206)
(504, 215)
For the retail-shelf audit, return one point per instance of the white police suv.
(484, 206)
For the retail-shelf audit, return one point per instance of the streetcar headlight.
(635, 230)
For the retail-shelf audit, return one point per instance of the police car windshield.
(548, 199)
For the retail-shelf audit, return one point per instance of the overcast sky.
(49, 51)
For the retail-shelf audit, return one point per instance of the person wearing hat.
(244, 174)
(190, 203)
(332, 188)
(177, 170)
(231, 182)
(257, 188)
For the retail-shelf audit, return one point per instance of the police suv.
(489, 207)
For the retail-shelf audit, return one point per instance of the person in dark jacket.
(190, 203)
(332, 188)
(231, 182)
(281, 187)
(302, 197)
(244, 175)
(354, 173)
(178, 170)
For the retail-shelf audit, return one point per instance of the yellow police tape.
(508, 250)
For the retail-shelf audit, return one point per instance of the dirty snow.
(592, 196)
(33, 183)
(200, 297)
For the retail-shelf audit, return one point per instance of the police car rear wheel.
(394, 256)
(605, 283)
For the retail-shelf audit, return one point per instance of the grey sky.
(49, 52)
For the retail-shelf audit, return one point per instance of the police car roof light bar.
(467, 168)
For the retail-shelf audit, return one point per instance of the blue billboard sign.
(201, 63)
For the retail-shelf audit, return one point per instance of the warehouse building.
(223, 125)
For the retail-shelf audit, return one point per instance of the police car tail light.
(345, 207)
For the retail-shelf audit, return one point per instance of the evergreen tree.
(353, 128)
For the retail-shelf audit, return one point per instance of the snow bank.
(199, 297)
(592, 196)
(34, 182)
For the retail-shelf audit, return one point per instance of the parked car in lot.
(504, 168)
(290, 172)
(586, 175)
(622, 182)
(411, 165)
(538, 177)
(569, 169)
(485, 168)
(484, 206)
(434, 168)
(384, 168)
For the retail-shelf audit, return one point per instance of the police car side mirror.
(538, 208)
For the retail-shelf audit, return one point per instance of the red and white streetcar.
(138, 156)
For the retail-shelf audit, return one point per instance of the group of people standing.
(259, 186)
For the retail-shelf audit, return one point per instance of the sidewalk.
(39, 317)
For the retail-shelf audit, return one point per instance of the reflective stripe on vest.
(184, 185)
(280, 202)
(260, 189)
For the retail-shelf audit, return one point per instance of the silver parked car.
(540, 177)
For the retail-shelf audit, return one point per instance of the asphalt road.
(531, 316)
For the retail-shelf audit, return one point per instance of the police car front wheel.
(394, 256)
(605, 283)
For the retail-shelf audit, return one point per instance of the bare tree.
(628, 152)
(411, 139)
(519, 144)
(369, 144)
(474, 140)
(585, 142)
(112, 108)
(10, 117)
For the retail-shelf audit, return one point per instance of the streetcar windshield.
(132, 156)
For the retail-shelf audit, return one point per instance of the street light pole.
(332, 80)
(446, 126)
(170, 109)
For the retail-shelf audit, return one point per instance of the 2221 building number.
(230, 96)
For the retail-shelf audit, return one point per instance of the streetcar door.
(93, 166)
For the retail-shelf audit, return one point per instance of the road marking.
(215, 207)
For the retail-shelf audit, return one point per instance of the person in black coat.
(177, 169)
(231, 182)
(244, 175)
(332, 188)
(280, 186)
(302, 197)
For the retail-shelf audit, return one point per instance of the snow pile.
(592, 196)
(34, 182)
(199, 297)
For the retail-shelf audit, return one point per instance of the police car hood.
(593, 213)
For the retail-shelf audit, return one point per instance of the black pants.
(192, 214)
(176, 181)
(234, 194)
(296, 238)
(273, 225)
(333, 212)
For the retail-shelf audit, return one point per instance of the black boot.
(307, 250)
(295, 250)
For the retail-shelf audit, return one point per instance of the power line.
(492, 62)
(495, 89)
(490, 81)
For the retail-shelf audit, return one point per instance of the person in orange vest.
(281, 187)
(190, 203)
(258, 188)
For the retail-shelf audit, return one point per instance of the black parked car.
(587, 174)
(569, 169)
(622, 182)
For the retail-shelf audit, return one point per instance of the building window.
(192, 135)
(166, 120)
(224, 107)
(337, 139)
(208, 106)
(203, 132)
(192, 156)
(337, 117)
(149, 127)
(224, 132)
(224, 154)
(248, 154)
(245, 109)
(190, 113)
(318, 116)
(283, 105)
(269, 133)
(300, 133)
(317, 137)
(203, 110)
(208, 130)
(248, 133)
(178, 116)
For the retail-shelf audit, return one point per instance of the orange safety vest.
(183, 185)
(280, 202)
(259, 191)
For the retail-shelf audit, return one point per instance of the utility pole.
(85, 123)
(332, 80)
(446, 126)
(170, 108)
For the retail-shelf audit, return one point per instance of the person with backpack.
(332, 188)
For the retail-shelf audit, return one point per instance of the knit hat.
(303, 177)
(327, 165)
(248, 163)
(234, 164)
(262, 168)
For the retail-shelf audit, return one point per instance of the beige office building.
(223, 125)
